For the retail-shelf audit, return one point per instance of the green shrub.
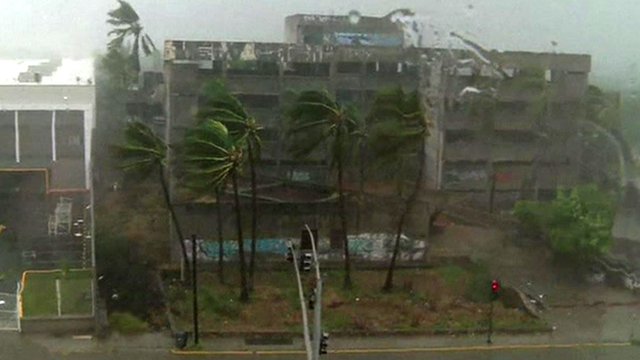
(577, 223)
(127, 323)
(533, 216)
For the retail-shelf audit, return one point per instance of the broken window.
(242, 67)
(307, 69)
(259, 100)
(349, 67)
(380, 67)
(453, 136)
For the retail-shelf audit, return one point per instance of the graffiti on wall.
(373, 247)
(353, 38)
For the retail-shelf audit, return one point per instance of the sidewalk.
(164, 342)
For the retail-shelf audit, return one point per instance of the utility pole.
(194, 286)
(495, 292)
(317, 309)
(303, 305)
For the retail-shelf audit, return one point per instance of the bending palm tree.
(126, 23)
(315, 119)
(221, 106)
(144, 153)
(399, 130)
(212, 156)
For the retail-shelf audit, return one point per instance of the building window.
(347, 96)
(259, 100)
(307, 69)
(350, 67)
(379, 67)
(241, 67)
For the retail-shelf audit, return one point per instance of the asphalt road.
(550, 354)
(14, 346)
(25, 351)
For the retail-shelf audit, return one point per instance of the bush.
(533, 216)
(577, 223)
(479, 284)
(126, 323)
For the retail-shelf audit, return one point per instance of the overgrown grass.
(447, 298)
(126, 323)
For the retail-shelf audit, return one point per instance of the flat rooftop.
(34, 72)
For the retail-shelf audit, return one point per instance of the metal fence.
(9, 318)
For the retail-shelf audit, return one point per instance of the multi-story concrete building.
(525, 133)
(47, 111)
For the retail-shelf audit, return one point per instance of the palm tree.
(212, 156)
(316, 120)
(126, 24)
(144, 153)
(220, 234)
(218, 104)
(399, 129)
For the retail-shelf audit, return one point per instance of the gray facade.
(468, 150)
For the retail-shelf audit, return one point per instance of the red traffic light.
(495, 287)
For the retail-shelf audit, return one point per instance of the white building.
(47, 114)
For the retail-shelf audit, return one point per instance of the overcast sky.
(607, 29)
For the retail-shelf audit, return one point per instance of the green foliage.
(603, 109)
(478, 285)
(222, 305)
(220, 105)
(528, 79)
(533, 216)
(577, 223)
(126, 323)
(142, 152)
(126, 23)
(314, 120)
(451, 274)
(211, 155)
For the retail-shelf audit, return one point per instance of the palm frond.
(124, 13)
(146, 50)
(220, 105)
(142, 151)
(211, 155)
(150, 42)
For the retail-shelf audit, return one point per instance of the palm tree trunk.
(220, 238)
(342, 213)
(254, 215)
(174, 218)
(244, 293)
(360, 190)
(411, 200)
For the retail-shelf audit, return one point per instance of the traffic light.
(289, 254)
(305, 262)
(495, 289)
(324, 343)
(312, 299)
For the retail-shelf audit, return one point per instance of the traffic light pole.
(317, 309)
(490, 323)
(303, 305)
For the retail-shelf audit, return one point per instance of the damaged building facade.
(504, 124)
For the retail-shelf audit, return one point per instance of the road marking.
(402, 350)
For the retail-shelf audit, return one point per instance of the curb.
(404, 350)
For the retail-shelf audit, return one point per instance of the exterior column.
(54, 155)
(16, 126)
